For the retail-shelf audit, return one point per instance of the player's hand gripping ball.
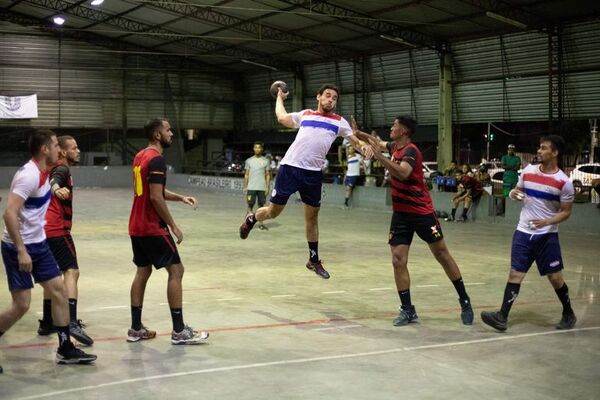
(275, 88)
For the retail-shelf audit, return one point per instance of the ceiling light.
(397, 40)
(59, 20)
(506, 20)
(96, 2)
(259, 64)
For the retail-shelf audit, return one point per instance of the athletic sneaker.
(494, 319)
(140, 334)
(466, 313)
(318, 269)
(73, 355)
(406, 316)
(46, 328)
(247, 225)
(77, 332)
(189, 336)
(263, 228)
(567, 321)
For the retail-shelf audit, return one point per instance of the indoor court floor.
(280, 332)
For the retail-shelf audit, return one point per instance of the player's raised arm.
(283, 117)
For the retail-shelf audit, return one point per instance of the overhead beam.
(509, 11)
(200, 45)
(250, 26)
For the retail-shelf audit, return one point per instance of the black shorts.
(252, 195)
(404, 226)
(159, 251)
(63, 250)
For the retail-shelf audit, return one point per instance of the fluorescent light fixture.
(59, 20)
(258, 64)
(397, 40)
(96, 2)
(506, 20)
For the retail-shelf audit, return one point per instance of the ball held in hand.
(275, 88)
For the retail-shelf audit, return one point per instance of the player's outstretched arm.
(283, 117)
(189, 200)
(366, 139)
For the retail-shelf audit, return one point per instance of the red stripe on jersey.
(402, 199)
(544, 180)
(332, 115)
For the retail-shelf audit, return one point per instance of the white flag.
(18, 107)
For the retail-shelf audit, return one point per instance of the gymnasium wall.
(497, 79)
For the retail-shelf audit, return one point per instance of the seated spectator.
(466, 170)
(452, 169)
(483, 176)
(469, 193)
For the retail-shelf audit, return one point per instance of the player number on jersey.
(138, 188)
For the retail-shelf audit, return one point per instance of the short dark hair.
(557, 143)
(39, 138)
(409, 123)
(260, 143)
(326, 86)
(152, 126)
(63, 139)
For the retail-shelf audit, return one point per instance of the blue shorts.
(292, 179)
(44, 265)
(544, 249)
(351, 181)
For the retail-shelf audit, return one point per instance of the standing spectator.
(257, 180)
(511, 164)
(355, 162)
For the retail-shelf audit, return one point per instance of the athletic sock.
(136, 318)
(460, 289)
(563, 295)
(64, 338)
(405, 298)
(346, 201)
(454, 213)
(510, 295)
(73, 309)
(464, 214)
(313, 251)
(177, 317)
(47, 312)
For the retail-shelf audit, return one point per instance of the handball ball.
(275, 88)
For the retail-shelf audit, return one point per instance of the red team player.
(151, 240)
(413, 212)
(59, 220)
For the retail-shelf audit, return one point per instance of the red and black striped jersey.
(59, 217)
(148, 167)
(409, 195)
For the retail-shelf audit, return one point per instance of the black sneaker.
(494, 319)
(466, 313)
(247, 225)
(77, 332)
(73, 355)
(318, 269)
(46, 328)
(406, 316)
(567, 321)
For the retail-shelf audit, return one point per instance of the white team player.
(300, 169)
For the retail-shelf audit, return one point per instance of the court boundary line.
(303, 361)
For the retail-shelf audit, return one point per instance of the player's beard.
(165, 144)
(326, 107)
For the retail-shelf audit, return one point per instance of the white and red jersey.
(31, 184)
(544, 195)
(314, 138)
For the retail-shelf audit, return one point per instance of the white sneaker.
(189, 336)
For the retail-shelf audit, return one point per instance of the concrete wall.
(585, 218)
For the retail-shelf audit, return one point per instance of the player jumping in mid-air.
(300, 168)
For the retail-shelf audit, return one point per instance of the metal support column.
(555, 78)
(444, 150)
(360, 91)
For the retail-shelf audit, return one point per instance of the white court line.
(474, 283)
(303, 361)
(330, 328)
(231, 299)
(166, 304)
(427, 285)
(284, 295)
(110, 307)
(334, 292)
(380, 288)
